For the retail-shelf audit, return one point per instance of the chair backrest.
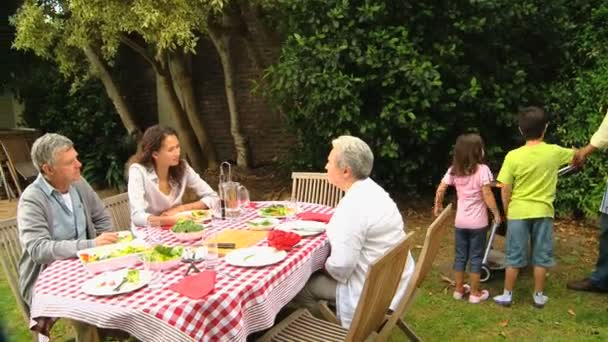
(432, 241)
(18, 153)
(314, 188)
(380, 286)
(16, 148)
(118, 206)
(10, 253)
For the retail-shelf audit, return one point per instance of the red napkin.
(253, 205)
(195, 286)
(311, 216)
(282, 240)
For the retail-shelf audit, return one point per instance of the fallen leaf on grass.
(504, 323)
(571, 312)
(448, 280)
(502, 334)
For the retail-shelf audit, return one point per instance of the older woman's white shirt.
(365, 224)
(145, 197)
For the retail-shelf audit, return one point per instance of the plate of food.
(115, 283)
(111, 257)
(165, 257)
(199, 216)
(303, 228)
(188, 230)
(276, 211)
(255, 256)
(125, 236)
(262, 223)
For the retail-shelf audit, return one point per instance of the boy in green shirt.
(529, 177)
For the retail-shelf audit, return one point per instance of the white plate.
(105, 283)
(255, 223)
(303, 228)
(188, 214)
(273, 216)
(254, 256)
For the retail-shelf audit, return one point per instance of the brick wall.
(268, 138)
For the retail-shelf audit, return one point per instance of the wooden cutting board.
(241, 238)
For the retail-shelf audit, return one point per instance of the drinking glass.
(156, 275)
(215, 205)
(211, 252)
(153, 231)
(244, 201)
(292, 207)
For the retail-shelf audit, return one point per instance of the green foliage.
(408, 77)
(86, 116)
(580, 99)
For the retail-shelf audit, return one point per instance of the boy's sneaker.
(504, 299)
(459, 295)
(540, 300)
(484, 295)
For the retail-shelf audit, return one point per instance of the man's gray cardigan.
(35, 222)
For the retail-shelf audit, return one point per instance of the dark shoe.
(585, 285)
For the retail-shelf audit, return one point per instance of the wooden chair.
(432, 242)
(7, 176)
(18, 152)
(314, 188)
(380, 286)
(118, 206)
(10, 253)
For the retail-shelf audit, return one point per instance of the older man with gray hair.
(365, 224)
(58, 215)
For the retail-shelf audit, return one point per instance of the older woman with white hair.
(58, 215)
(365, 224)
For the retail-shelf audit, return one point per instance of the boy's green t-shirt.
(531, 170)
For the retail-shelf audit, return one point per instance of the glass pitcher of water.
(233, 193)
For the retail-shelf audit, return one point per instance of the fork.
(117, 288)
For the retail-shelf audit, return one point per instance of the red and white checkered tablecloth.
(238, 306)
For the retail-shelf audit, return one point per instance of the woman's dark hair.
(468, 152)
(151, 142)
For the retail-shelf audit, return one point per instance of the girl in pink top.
(472, 180)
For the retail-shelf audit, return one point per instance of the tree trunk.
(114, 93)
(221, 40)
(189, 144)
(183, 81)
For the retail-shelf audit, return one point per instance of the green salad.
(275, 210)
(165, 253)
(104, 255)
(133, 276)
(124, 236)
(186, 226)
(264, 223)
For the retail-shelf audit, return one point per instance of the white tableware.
(105, 284)
(262, 223)
(255, 256)
(106, 261)
(192, 236)
(263, 212)
(198, 216)
(303, 228)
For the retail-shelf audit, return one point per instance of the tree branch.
(140, 50)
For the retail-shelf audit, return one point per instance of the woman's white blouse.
(145, 197)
